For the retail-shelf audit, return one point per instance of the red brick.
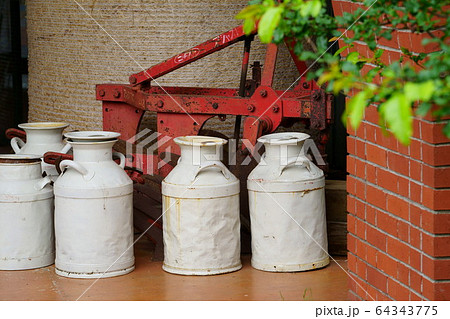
(436, 290)
(414, 297)
(436, 223)
(387, 180)
(360, 208)
(351, 185)
(415, 192)
(403, 149)
(415, 281)
(415, 215)
(437, 269)
(415, 170)
(371, 115)
(376, 196)
(351, 145)
(436, 246)
(416, 129)
(371, 214)
(415, 149)
(387, 141)
(403, 187)
(360, 149)
(398, 207)
(397, 249)
(351, 224)
(415, 259)
(351, 166)
(371, 256)
(404, 39)
(351, 243)
(360, 189)
(371, 173)
(376, 238)
(337, 10)
(398, 163)
(361, 229)
(394, 56)
(351, 262)
(361, 268)
(361, 249)
(432, 132)
(371, 132)
(360, 169)
(438, 155)
(403, 231)
(402, 274)
(351, 205)
(416, 42)
(436, 199)
(393, 43)
(376, 278)
(437, 177)
(415, 237)
(387, 264)
(387, 223)
(397, 291)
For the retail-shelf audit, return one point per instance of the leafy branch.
(410, 85)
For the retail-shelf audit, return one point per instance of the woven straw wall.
(69, 53)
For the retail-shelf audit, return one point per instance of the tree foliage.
(400, 89)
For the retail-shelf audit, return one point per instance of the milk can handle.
(42, 183)
(17, 144)
(78, 167)
(220, 165)
(66, 148)
(121, 157)
(302, 161)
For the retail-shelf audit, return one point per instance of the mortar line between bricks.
(365, 281)
(354, 294)
(398, 260)
(409, 178)
(410, 201)
(403, 242)
(387, 275)
(398, 218)
(412, 138)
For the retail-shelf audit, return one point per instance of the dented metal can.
(26, 214)
(201, 225)
(287, 207)
(93, 212)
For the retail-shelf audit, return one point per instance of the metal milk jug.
(287, 207)
(41, 138)
(201, 225)
(93, 210)
(26, 214)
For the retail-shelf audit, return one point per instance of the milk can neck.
(44, 136)
(284, 151)
(197, 155)
(92, 152)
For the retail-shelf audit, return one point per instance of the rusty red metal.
(13, 132)
(184, 110)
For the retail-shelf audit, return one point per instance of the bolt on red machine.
(184, 110)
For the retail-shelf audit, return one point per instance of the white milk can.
(26, 214)
(201, 226)
(41, 138)
(93, 210)
(287, 207)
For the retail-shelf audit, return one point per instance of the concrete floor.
(150, 282)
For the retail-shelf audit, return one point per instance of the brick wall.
(398, 202)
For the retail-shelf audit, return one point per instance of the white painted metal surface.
(93, 214)
(42, 137)
(201, 225)
(287, 207)
(26, 214)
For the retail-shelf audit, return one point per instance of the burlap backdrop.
(69, 53)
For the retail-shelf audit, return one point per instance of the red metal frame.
(184, 110)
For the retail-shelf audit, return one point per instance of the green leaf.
(419, 91)
(249, 12)
(446, 129)
(341, 50)
(311, 8)
(268, 23)
(356, 107)
(249, 25)
(353, 57)
(398, 115)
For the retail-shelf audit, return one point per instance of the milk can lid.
(91, 136)
(283, 138)
(43, 125)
